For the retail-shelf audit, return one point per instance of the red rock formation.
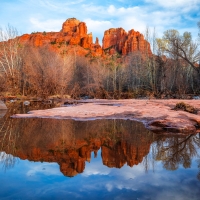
(97, 41)
(70, 25)
(82, 29)
(86, 41)
(116, 39)
(74, 33)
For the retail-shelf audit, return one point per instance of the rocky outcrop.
(114, 38)
(74, 33)
(71, 25)
(117, 40)
(157, 115)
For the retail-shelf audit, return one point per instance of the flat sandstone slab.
(157, 115)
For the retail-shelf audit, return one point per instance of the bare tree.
(182, 47)
(10, 56)
(42, 72)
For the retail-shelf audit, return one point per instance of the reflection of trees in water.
(9, 133)
(176, 151)
(10, 129)
(7, 160)
(8, 137)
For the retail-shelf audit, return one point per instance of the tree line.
(172, 71)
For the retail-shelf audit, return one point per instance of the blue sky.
(48, 15)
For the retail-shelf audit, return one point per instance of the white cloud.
(111, 10)
(97, 27)
(94, 10)
(94, 171)
(139, 17)
(55, 5)
(94, 168)
(189, 4)
(136, 18)
(46, 25)
(127, 18)
(48, 15)
(150, 183)
(109, 187)
(44, 168)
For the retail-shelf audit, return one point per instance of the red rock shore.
(157, 115)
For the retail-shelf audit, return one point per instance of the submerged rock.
(157, 115)
(172, 125)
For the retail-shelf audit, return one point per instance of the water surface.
(99, 159)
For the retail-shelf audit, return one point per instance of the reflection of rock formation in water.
(131, 149)
(124, 152)
(70, 143)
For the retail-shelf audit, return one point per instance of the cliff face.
(114, 38)
(74, 34)
(118, 40)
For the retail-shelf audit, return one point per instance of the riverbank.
(157, 115)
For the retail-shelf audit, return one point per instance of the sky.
(48, 15)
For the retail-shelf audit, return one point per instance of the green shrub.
(53, 42)
(185, 107)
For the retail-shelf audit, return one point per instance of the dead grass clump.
(185, 107)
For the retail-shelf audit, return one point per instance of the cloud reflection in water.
(43, 169)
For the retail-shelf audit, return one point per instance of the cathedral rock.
(118, 40)
(74, 35)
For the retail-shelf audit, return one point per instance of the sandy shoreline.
(157, 115)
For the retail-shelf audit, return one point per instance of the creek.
(97, 159)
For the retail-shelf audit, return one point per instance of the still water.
(100, 159)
